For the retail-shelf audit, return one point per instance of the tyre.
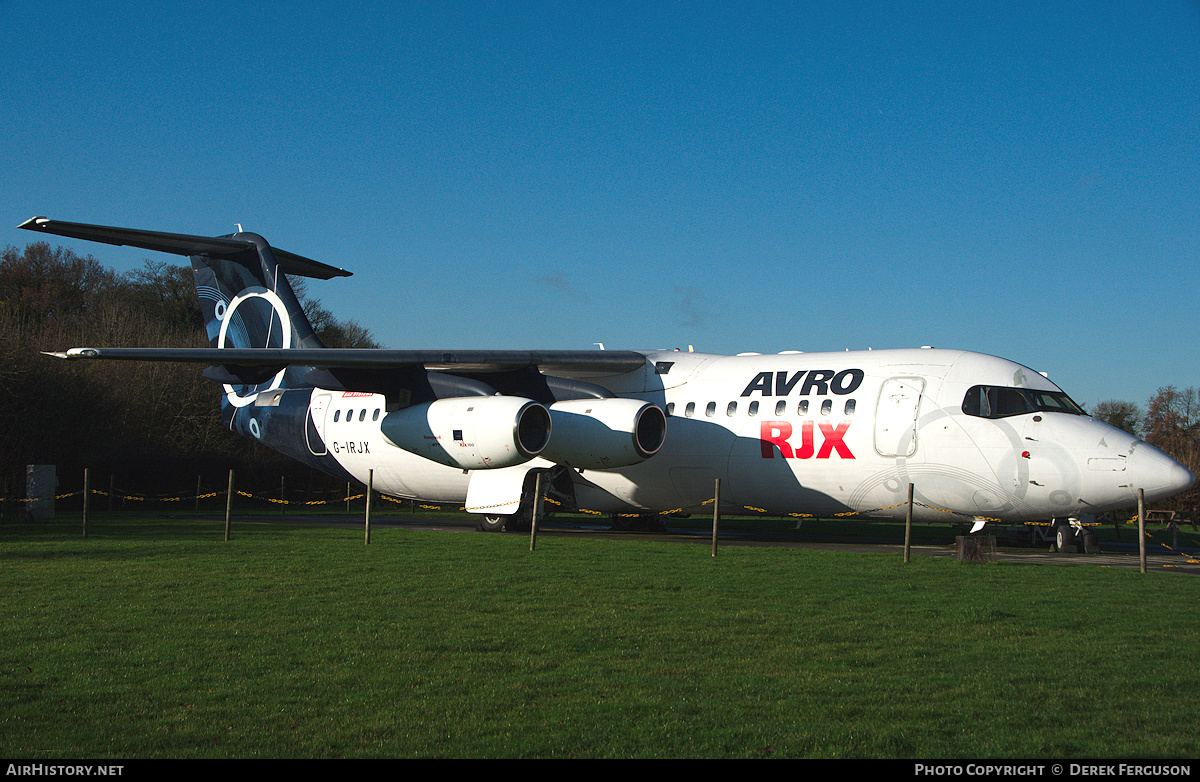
(492, 523)
(1064, 539)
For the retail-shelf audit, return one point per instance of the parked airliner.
(981, 439)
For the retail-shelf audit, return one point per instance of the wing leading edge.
(461, 361)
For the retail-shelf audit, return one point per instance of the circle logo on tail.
(242, 331)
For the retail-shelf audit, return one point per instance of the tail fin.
(247, 302)
(244, 293)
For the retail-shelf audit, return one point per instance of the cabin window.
(803, 408)
(1001, 402)
(753, 409)
(850, 404)
(670, 408)
(690, 410)
(375, 415)
(711, 410)
(731, 409)
(362, 414)
(780, 407)
(827, 407)
(336, 414)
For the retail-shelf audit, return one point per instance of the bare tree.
(143, 419)
(1173, 424)
(1124, 415)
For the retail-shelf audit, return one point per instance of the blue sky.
(1016, 178)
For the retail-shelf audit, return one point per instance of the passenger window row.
(362, 415)
(710, 410)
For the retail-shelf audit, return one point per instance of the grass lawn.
(155, 638)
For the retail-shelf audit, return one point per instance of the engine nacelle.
(604, 434)
(474, 433)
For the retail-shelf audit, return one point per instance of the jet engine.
(474, 433)
(604, 434)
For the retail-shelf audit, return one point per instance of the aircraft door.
(896, 416)
(314, 430)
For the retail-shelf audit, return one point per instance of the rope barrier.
(1191, 558)
(551, 501)
(190, 497)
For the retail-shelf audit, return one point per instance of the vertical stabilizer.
(246, 299)
(244, 294)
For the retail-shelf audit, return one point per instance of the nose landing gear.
(1071, 537)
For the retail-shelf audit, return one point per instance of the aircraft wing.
(460, 361)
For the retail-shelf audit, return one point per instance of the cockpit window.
(1000, 402)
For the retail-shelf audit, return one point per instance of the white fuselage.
(819, 434)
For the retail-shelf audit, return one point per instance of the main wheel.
(492, 523)
(1064, 538)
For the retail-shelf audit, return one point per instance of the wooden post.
(1142, 527)
(86, 491)
(347, 496)
(228, 504)
(537, 504)
(282, 494)
(197, 495)
(370, 487)
(908, 524)
(716, 513)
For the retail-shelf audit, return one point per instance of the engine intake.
(604, 434)
(474, 433)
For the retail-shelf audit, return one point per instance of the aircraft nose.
(1159, 474)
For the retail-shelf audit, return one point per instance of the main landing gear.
(522, 520)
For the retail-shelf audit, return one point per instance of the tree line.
(150, 426)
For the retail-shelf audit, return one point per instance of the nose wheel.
(1071, 539)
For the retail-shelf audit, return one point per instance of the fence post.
(1142, 527)
(86, 491)
(716, 513)
(228, 504)
(370, 488)
(908, 524)
(537, 504)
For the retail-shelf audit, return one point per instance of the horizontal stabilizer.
(183, 244)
